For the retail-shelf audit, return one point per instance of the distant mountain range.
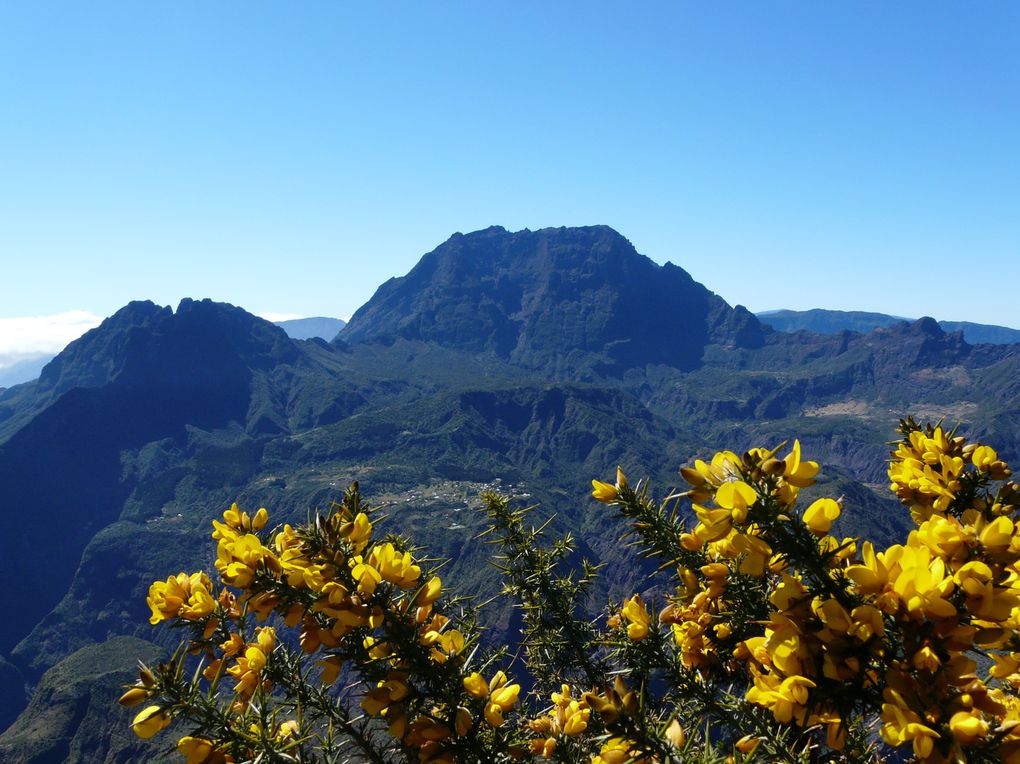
(308, 328)
(531, 361)
(23, 370)
(833, 321)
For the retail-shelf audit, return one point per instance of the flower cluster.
(790, 641)
(360, 607)
(850, 634)
(568, 717)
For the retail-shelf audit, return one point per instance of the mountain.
(307, 328)
(27, 369)
(539, 298)
(67, 719)
(983, 333)
(527, 361)
(145, 376)
(832, 321)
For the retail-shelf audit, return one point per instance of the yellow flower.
(926, 659)
(618, 750)
(388, 691)
(986, 460)
(675, 734)
(968, 726)
(446, 645)
(871, 576)
(747, 743)
(833, 615)
(544, 747)
(500, 701)
(357, 532)
(149, 721)
(575, 719)
(820, 515)
(462, 722)
(725, 466)
(476, 686)
(736, 496)
(902, 725)
(786, 698)
(1005, 665)
(133, 697)
(499, 679)
(997, 536)
(499, 696)
(185, 596)
(238, 559)
(755, 552)
(394, 566)
(867, 623)
(607, 493)
(265, 639)
(925, 472)
(569, 716)
(430, 592)
(366, 575)
(715, 524)
(799, 473)
(199, 750)
(247, 671)
(235, 520)
(261, 518)
(289, 729)
(637, 617)
(604, 492)
(330, 669)
(922, 584)
(945, 536)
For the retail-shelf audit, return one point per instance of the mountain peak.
(928, 326)
(537, 296)
(144, 342)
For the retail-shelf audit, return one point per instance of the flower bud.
(692, 476)
(133, 697)
(621, 479)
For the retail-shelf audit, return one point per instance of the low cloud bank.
(31, 337)
(274, 317)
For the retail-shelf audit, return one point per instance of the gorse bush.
(772, 640)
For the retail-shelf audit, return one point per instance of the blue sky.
(289, 158)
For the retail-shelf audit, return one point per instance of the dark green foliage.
(68, 720)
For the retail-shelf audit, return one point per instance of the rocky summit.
(535, 297)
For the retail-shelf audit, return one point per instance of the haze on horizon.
(793, 156)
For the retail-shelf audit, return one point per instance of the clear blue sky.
(290, 157)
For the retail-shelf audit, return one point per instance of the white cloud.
(35, 336)
(274, 317)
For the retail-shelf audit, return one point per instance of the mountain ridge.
(826, 321)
